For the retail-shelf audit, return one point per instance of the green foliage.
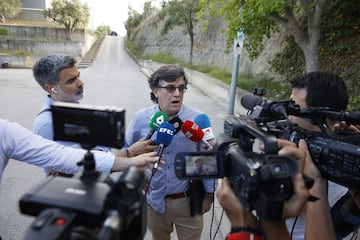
(9, 8)
(340, 43)
(339, 48)
(20, 52)
(148, 9)
(102, 30)
(4, 32)
(163, 57)
(133, 20)
(252, 17)
(180, 13)
(70, 13)
(133, 48)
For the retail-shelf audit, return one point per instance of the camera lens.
(278, 168)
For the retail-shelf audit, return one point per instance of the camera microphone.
(264, 108)
(156, 119)
(194, 132)
(250, 101)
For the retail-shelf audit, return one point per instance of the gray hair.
(46, 70)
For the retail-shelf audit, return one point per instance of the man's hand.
(141, 146)
(143, 161)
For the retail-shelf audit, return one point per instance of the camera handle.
(89, 174)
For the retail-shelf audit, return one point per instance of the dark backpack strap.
(45, 110)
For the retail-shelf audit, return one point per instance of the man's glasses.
(172, 88)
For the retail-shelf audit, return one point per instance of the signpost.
(238, 45)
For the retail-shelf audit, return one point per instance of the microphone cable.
(153, 171)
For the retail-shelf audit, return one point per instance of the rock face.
(209, 46)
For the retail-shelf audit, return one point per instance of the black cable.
(218, 228)
(213, 208)
(293, 227)
(153, 171)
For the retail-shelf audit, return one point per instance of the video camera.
(89, 205)
(262, 179)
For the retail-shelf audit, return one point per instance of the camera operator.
(318, 89)
(21, 144)
(59, 76)
(244, 223)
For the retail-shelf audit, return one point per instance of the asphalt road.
(114, 79)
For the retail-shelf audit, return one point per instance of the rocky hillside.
(209, 46)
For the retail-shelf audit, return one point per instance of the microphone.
(250, 101)
(164, 137)
(176, 122)
(194, 132)
(156, 119)
(266, 109)
(203, 121)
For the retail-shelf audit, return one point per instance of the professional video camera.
(262, 180)
(90, 205)
(336, 154)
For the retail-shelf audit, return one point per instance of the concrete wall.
(39, 41)
(32, 14)
(42, 33)
(43, 47)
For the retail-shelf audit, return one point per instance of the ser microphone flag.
(192, 131)
(156, 119)
(203, 121)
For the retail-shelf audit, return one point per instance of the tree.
(181, 13)
(133, 20)
(260, 18)
(10, 8)
(102, 30)
(148, 9)
(70, 13)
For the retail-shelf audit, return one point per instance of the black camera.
(89, 205)
(336, 154)
(262, 182)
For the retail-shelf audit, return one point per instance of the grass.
(21, 22)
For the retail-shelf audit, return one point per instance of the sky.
(112, 13)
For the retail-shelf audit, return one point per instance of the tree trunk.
(68, 34)
(191, 46)
(311, 53)
(2, 18)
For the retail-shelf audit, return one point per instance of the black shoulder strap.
(45, 110)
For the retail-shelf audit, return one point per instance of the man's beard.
(76, 97)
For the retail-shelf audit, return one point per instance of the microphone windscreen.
(250, 101)
(165, 134)
(192, 131)
(202, 120)
(156, 119)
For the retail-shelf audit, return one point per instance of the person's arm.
(139, 147)
(318, 218)
(143, 161)
(319, 224)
